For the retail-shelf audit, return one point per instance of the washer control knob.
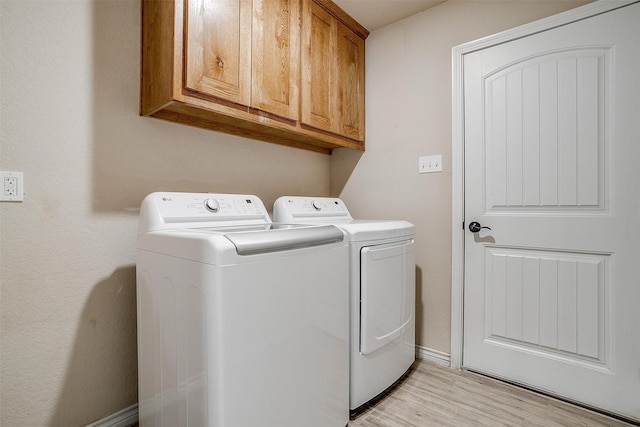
(316, 205)
(212, 205)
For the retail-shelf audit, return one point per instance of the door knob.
(475, 226)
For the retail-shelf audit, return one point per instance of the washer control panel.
(163, 209)
(294, 208)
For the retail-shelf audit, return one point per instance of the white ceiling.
(373, 14)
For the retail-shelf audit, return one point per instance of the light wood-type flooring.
(432, 395)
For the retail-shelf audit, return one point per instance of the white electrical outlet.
(11, 187)
(428, 164)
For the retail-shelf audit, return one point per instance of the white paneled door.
(552, 161)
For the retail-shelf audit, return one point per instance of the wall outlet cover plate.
(11, 186)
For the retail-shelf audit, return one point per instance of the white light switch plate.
(11, 187)
(428, 164)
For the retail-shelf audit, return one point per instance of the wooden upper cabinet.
(333, 71)
(318, 31)
(275, 57)
(244, 52)
(350, 84)
(263, 69)
(217, 39)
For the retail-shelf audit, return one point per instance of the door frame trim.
(457, 149)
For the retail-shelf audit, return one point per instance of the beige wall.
(408, 90)
(69, 98)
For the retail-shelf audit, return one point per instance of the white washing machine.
(382, 291)
(241, 322)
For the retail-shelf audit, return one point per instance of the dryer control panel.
(291, 209)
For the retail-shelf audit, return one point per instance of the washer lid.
(281, 237)
(233, 245)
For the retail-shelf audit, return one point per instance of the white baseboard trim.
(435, 356)
(123, 418)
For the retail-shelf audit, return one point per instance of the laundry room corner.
(408, 115)
(102, 345)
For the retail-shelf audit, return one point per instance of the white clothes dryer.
(382, 291)
(241, 322)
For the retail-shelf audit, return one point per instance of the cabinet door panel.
(350, 82)
(318, 105)
(275, 57)
(217, 42)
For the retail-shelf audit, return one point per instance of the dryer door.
(387, 293)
